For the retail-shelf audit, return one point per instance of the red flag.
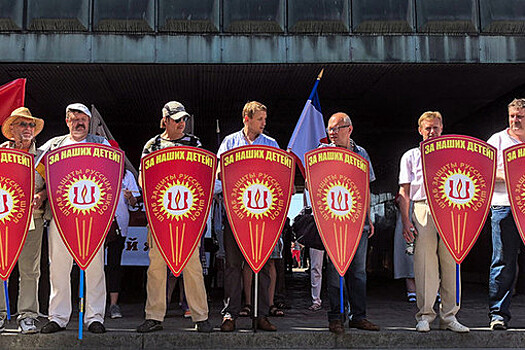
(514, 158)
(339, 191)
(12, 96)
(459, 173)
(257, 183)
(16, 198)
(178, 189)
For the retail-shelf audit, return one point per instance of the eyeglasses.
(183, 119)
(336, 128)
(26, 124)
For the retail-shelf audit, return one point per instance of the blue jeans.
(354, 285)
(506, 244)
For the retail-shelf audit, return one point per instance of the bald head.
(339, 129)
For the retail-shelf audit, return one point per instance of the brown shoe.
(265, 324)
(228, 325)
(363, 324)
(336, 326)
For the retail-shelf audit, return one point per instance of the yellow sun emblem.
(177, 199)
(459, 188)
(257, 198)
(84, 194)
(8, 203)
(339, 200)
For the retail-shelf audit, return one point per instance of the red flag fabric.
(17, 183)
(514, 158)
(338, 182)
(257, 184)
(178, 189)
(459, 173)
(12, 96)
(83, 186)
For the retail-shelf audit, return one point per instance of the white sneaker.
(2, 324)
(27, 325)
(455, 326)
(423, 326)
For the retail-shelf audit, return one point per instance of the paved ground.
(300, 328)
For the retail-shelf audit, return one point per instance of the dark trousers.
(113, 268)
(233, 278)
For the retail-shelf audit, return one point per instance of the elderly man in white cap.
(21, 129)
(173, 120)
(60, 261)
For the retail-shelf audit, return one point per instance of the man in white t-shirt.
(434, 266)
(60, 261)
(506, 240)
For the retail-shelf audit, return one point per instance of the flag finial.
(320, 74)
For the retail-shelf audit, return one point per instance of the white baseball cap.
(78, 107)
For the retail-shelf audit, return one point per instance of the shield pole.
(341, 305)
(457, 284)
(81, 305)
(6, 294)
(255, 301)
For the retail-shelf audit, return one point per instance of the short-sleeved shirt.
(158, 142)
(411, 172)
(501, 140)
(122, 213)
(359, 151)
(238, 139)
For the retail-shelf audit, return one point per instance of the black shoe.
(150, 326)
(97, 327)
(204, 326)
(51, 327)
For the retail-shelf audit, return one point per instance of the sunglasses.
(336, 129)
(26, 124)
(183, 119)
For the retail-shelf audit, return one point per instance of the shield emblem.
(459, 173)
(17, 183)
(178, 189)
(338, 182)
(257, 185)
(514, 159)
(83, 187)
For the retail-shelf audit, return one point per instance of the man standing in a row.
(21, 128)
(339, 131)
(60, 261)
(506, 241)
(434, 266)
(254, 119)
(173, 120)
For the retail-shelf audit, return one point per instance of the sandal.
(276, 312)
(282, 306)
(246, 311)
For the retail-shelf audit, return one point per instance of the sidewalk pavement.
(299, 329)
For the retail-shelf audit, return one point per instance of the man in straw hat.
(21, 129)
(78, 117)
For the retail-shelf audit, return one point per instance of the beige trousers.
(60, 264)
(434, 269)
(157, 281)
(29, 268)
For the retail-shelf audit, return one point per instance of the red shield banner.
(17, 182)
(83, 187)
(338, 182)
(514, 159)
(257, 185)
(178, 189)
(459, 173)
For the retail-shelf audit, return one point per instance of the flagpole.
(6, 294)
(316, 83)
(81, 305)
